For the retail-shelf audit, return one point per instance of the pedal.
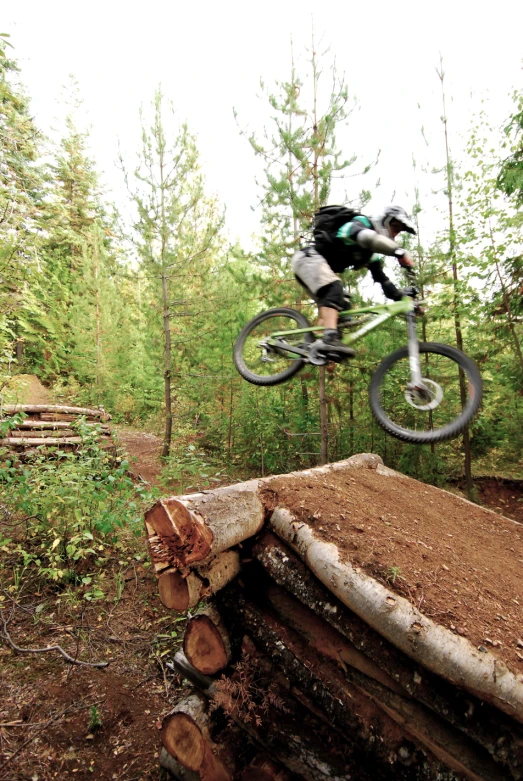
(338, 357)
(319, 356)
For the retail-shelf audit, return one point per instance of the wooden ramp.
(359, 625)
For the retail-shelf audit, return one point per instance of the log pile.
(50, 426)
(303, 665)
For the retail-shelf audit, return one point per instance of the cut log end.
(204, 646)
(264, 769)
(179, 593)
(183, 739)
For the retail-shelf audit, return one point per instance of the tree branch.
(7, 637)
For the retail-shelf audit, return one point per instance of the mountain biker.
(351, 246)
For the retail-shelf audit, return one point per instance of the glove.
(404, 258)
(412, 291)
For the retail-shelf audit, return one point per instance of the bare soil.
(460, 564)
(144, 450)
(502, 495)
(45, 703)
(27, 389)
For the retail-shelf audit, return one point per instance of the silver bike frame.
(413, 344)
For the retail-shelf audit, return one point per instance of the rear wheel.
(262, 358)
(434, 412)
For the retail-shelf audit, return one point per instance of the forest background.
(131, 298)
(145, 217)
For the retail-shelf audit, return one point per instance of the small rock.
(482, 649)
(519, 643)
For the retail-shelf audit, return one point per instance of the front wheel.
(437, 411)
(261, 357)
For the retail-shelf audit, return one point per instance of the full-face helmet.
(397, 214)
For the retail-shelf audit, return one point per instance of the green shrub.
(71, 505)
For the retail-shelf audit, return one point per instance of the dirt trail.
(144, 450)
(27, 389)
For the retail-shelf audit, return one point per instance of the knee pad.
(332, 295)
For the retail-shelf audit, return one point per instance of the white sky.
(210, 56)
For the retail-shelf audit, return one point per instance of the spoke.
(265, 355)
(417, 411)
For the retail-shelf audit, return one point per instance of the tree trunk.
(181, 590)
(185, 531)
(324, 448)
(452, 254)
(167, 369)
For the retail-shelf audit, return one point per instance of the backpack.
(328, 220)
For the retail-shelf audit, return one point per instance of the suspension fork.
(413, 343)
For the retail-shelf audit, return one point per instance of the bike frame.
(383, 312)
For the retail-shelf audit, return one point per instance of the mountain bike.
(422, 393)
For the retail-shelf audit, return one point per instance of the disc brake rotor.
(425, 398)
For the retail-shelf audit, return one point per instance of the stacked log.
(327, 672)
(50, 425)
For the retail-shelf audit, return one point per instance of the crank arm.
(289, 349)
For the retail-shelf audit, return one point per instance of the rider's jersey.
(344, 251)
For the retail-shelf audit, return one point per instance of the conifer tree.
(21, 194)
(177, 227)
(301, 158)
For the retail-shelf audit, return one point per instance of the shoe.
(331, 342)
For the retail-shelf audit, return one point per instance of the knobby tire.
(298, 321)
(455, 426)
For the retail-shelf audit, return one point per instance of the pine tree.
(69, 309)
(21, 194)
(301, 158)
(176, 229)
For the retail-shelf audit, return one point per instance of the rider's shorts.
(315, 274)
(312, 269)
